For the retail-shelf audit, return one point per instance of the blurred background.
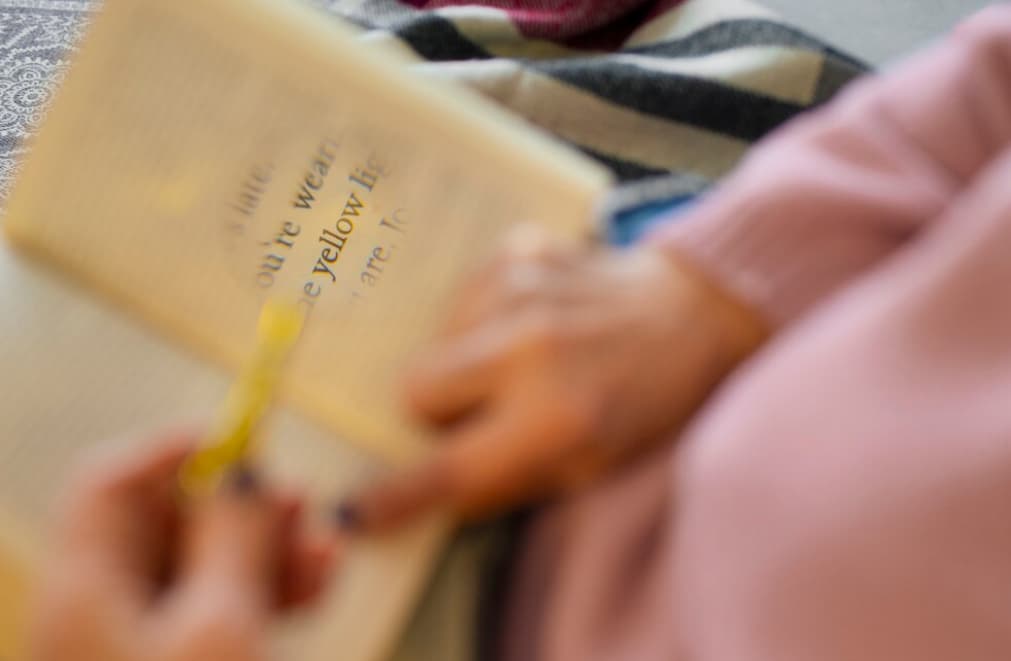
(876, 30)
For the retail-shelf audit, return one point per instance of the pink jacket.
(847, 493)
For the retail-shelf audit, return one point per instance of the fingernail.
(243, 480)
(347, 516)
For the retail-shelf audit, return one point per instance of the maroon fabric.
(564, 19)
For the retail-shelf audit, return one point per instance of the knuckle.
(522, 279)
(219, 635)
(576, 418)
(502, 267)
(542, 332)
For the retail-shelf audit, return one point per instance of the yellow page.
(202, 157)
(77, 373)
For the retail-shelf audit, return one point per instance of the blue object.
(629, 225)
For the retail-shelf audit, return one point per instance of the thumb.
(486, 467)
(232, 550)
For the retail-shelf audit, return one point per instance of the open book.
(203, 156)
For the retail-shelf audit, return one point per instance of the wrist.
(733, 328)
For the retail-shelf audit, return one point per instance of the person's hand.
(133, 577)
(558, 362)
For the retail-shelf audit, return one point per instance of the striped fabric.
(647, 87)
(650, 88)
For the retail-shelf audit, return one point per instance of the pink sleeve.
(837, 191)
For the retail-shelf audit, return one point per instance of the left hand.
(135, 577)
(559, 362)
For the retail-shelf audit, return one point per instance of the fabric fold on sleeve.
(837, 191)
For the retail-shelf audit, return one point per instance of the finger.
(119, 512)
(309, 566)
(464, 374)
(530, 241)
(496, 292)
(397, 499)
(526, 267)
(454, 379)
(306, 558)
(232, 569)
(288, 528)
(504, 463)
(488, 466)
(115, 468)
(231, 554)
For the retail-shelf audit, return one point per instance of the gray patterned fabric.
(35, 36)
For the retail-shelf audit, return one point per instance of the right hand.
(135, 577)
(558, 363)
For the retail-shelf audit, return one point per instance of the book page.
(78, 374)
(204, 157)
(193, 171)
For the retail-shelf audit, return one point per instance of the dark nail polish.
(243, 480)
(347, 516)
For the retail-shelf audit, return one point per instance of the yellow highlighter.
(231, 438)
